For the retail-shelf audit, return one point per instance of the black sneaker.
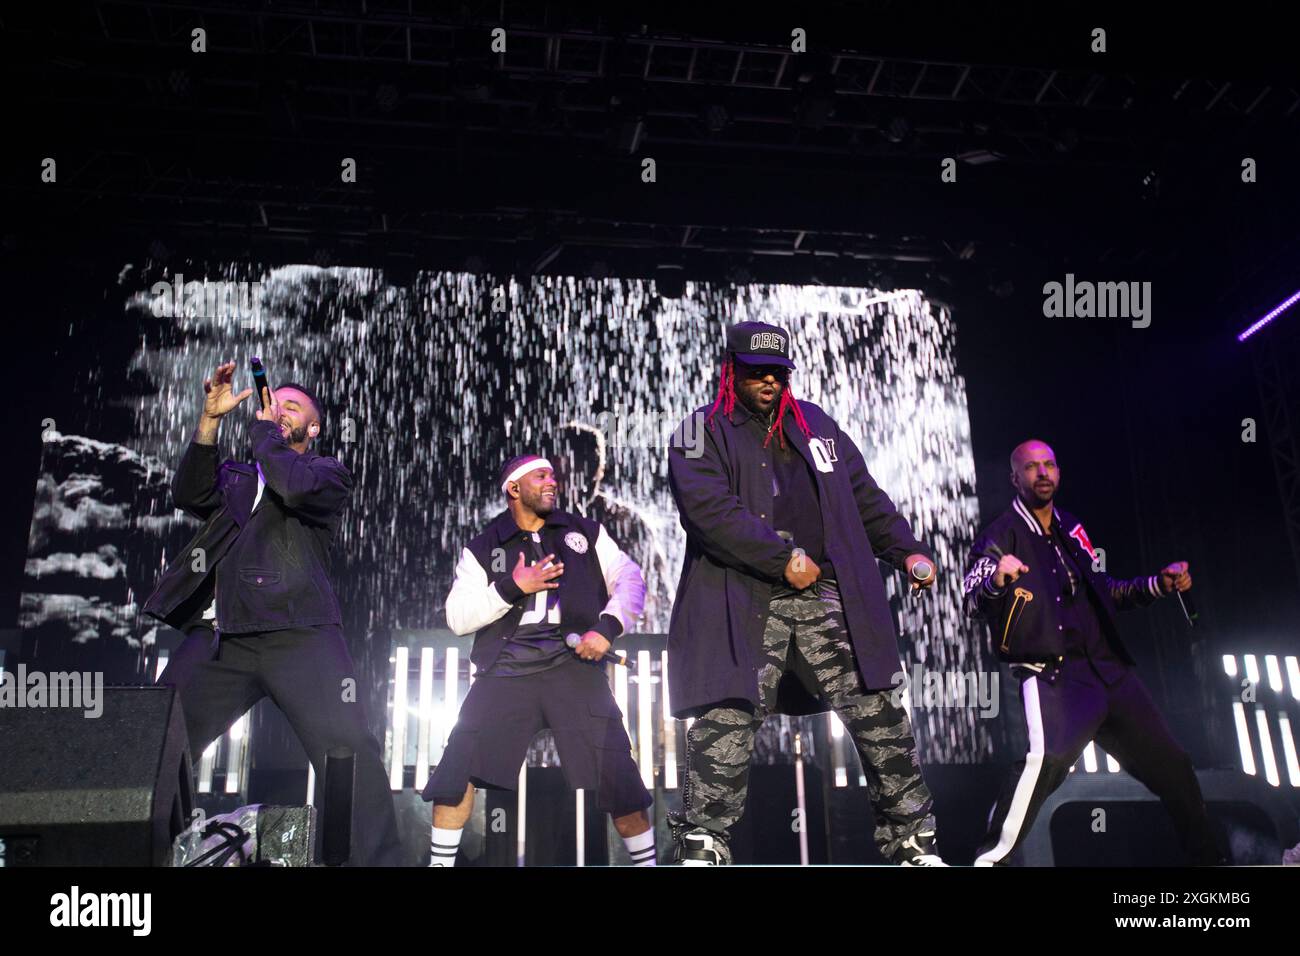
(700, 848)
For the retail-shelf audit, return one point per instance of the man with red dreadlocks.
(780, 607)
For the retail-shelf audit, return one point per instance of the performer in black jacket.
(780, 607)
(252, 593)
(1035, 576)
(521, 603)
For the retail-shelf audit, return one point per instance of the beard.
(537, 504)
(297, 436)
(1042, 496)
(749, 398)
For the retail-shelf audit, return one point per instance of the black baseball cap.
(757, 343)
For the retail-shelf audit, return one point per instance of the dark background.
(820, 167)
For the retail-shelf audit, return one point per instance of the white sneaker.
(918, 850)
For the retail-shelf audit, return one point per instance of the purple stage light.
(1260, 323)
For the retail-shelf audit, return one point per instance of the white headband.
(531, 464)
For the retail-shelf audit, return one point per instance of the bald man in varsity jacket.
(532, 578)
(1036, 578)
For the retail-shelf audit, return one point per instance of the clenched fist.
(1175, 577)
(1009, 569)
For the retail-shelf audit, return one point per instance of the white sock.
(642, 848)
(443, 845)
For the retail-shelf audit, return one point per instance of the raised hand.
(219, 397)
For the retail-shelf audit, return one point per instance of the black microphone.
(259, 381)
(573, 640)
(1188, 606)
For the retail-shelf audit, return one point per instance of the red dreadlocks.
(727, 401)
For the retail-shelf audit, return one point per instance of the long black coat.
(269, 567)
(721, 480)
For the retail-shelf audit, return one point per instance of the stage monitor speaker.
(84, 790)
(1109, 819)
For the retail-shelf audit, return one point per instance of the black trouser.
(1061, 717)
(303, 671)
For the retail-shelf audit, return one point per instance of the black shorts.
(501, 716)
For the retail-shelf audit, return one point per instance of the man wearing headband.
(534, 576)
(780, 607)
(1036, 578)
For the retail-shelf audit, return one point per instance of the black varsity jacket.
(1025, 614)
(601, 588)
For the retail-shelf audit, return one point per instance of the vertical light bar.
(644, 719)
(1266, 748)
(1274, 672)
(580, 829)
(1230, 665)
(801, 802)
(521, 814)
(163, 658)
(670, 726)
(1243, 737)
(1288, 749)
(1090, 757)
(235, 756)
(311, 785)
(1252, 668)
(450, 694)
(620, 695)
(422, 733)
(397, 763)
(206, 764)
(1293, 675)
(1112, 764)
(837, 750)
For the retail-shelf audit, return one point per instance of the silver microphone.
(573, 640)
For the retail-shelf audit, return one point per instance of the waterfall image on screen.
(429, 387)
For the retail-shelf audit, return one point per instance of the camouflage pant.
(808, 624)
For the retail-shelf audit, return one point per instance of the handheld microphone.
(920, 574)
(1188, 606)
(259, 380)
(573, 640)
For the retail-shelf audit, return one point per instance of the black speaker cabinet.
(106, 790)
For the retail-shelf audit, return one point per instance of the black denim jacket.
(269, 568)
